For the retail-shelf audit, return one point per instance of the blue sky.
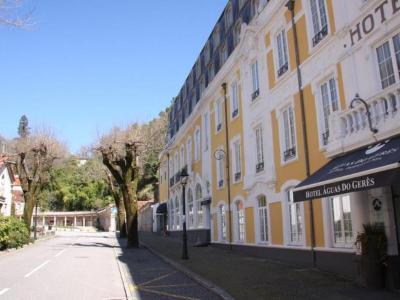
(88, 65)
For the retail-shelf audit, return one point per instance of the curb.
(127, 291)
(197, 278)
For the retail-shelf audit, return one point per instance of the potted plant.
(373, 244)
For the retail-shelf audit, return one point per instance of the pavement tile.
(246, 277)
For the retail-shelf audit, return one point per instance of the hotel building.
(288, 127)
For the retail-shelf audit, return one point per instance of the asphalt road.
(69, 266)
(76, 265)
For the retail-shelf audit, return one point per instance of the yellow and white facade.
(276, 111)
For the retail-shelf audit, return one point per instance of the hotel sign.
(363, 169)
(386, 9)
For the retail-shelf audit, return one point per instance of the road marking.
(37, 268)
(59, 253)
(166, 294)
(3, 291)
(158, 278)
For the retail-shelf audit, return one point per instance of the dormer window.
(228, 16)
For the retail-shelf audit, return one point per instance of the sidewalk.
(246, 277)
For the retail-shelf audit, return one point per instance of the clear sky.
(88, 65)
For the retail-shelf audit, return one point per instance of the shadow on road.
(151, 278)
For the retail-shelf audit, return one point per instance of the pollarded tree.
(34, 158)
(119, 203)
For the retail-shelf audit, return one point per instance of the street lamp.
(183, 179)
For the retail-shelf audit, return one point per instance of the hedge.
(13, 233)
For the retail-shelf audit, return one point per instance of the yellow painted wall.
(249, 215)
(276, 223)
(331, 17)
(267, 40)
(302, 38)
(341, 86)
(297, 8)
(271, 69)
(215, 226)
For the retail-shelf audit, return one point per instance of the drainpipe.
(228, 174)
(290, 5)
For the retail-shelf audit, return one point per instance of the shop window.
(263, 218)
(319, 21)
(296, 231)
(190, 209)
(199, 198)
(341, 221)
(240, 221)
(222, 222)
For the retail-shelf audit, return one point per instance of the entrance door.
(396, 204)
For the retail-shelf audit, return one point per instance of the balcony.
(289, 153)
(255, 94)
(320, 35)
(259, 167)
(282, 70)
(235, 113)
(349, 129)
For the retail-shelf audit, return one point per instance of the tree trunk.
(131, 216)
(28, 209)
(121, 216)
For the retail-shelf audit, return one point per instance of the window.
(282, 58)
(259, 149)
(342, 224)
(386, 63)
(176, 214)
(223, 55)
(254, 7)
(197, 143)
(254, 76)
(222, 222)
(182, 156)
(235, 99)
(190, 209)
(295, 219)
(240, 221)
(199, 198)
(289, 138)
(202, 87)
(189, 155)
(237, 164)
(211, 73)
(236, 34)
(218, 115)
(228, 16)
(263, 218)
(319, 20)
(176, 163)
(206, 131)
(330, 103)
(216, 37)
(198, 69)
(220, 172)
(207, 53)
(171, 172)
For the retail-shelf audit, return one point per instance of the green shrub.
(13, 233)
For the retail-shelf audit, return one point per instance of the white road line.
(3, 291)
(59, 253)
(37, 268)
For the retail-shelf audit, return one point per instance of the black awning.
(162, 208)
(366, 168)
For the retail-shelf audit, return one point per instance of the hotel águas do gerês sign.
(367, 168)
(379, 14)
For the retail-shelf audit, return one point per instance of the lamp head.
(184, 176)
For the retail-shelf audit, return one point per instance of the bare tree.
(34, 158)
(15, 13)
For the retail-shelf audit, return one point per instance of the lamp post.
(183, 179)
